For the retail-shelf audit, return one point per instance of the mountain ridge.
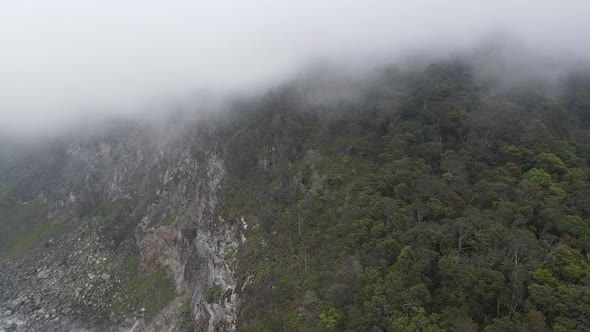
(431, 201)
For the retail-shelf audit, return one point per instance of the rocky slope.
(133, 239)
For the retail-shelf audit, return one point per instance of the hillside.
(433, 200)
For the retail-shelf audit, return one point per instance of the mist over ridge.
(294, 165)
(73, 64)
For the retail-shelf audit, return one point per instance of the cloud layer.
(63, 63)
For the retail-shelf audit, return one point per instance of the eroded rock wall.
(168, 181)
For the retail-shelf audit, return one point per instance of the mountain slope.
(431, 201)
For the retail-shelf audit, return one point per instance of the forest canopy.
(434, 202)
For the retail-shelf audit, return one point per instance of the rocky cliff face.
(134, 239)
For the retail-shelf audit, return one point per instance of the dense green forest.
(433, 202)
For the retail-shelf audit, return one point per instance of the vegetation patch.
(25, 226)
(153, 292)
(117, 219)
(213, 294)
(188, 323)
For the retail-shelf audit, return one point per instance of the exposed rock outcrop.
(132, 196)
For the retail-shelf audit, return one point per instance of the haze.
(63, 63)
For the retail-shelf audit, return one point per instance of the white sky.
(63, 62)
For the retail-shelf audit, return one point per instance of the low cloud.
(69, 63)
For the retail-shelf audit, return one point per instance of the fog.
(66, 64)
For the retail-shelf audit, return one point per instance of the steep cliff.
(126, 234)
